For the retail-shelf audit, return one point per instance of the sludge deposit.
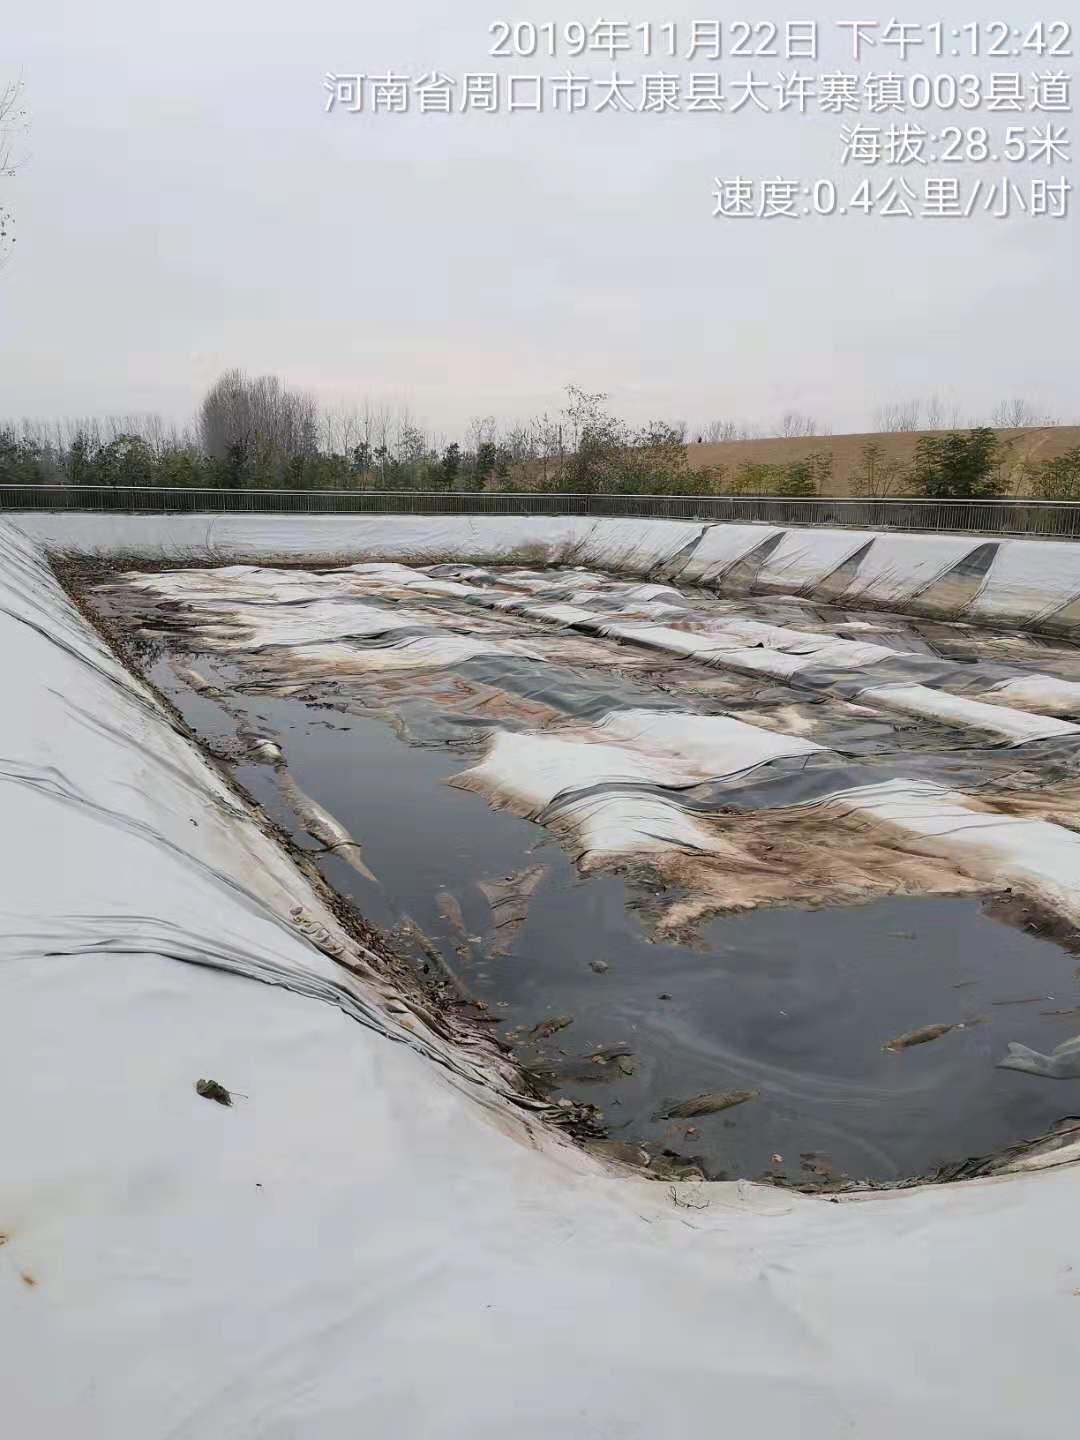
(674, 847)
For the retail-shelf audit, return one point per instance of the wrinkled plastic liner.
(709, 789)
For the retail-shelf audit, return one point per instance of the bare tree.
(1017, 414)
(794, 424)
(547, 446)
(342, 429)
(928, 413)
(519, 442)
(481, 431)
(880, 475)
(150, 428)
(258, 418)
(906, 415)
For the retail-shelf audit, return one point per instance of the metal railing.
(1046, 518)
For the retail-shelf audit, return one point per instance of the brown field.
(1024, 448)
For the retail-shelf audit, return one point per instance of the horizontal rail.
(1045, 518)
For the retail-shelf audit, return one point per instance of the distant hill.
(897, 451)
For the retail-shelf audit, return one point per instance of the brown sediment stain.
(793, 719)
(1058, 802)
(444, 689)
(792, 856)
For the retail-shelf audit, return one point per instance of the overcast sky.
(188, 205)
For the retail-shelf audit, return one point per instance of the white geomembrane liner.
(528, 771)
(637, 545)
(1034, 856)
(626, 747)
(1038, 692)
(780, 652)
(783, 654)
(1014, 725)
(255, 627)
(358, 1247)
(721, 547)
(411, 652)
(619, 824)
(1029, 580)
(897, 568)
(719, 745)
(804, 558)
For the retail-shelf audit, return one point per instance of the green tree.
(958, 466)
(80, 468)
(486, 457)
(126, 460)
(1059, 479)
(21, 461)
(450, 465)
(805, 476)
(754, 478)
(180, 468)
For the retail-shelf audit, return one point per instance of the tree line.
(259, 433)
(968, 465)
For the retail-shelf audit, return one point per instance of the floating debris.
(1061, 1064)
(449, 907)
(616, 1057)
(547, 1028)
(321, 825)
(211, 1090)
(603, 1065)
(625, 1152)
(509, 900)
(711, 1103)
(198, 683)
(263, 751)
(920, 1037)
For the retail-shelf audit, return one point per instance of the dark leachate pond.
(750, 1042)
(794, 1006)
